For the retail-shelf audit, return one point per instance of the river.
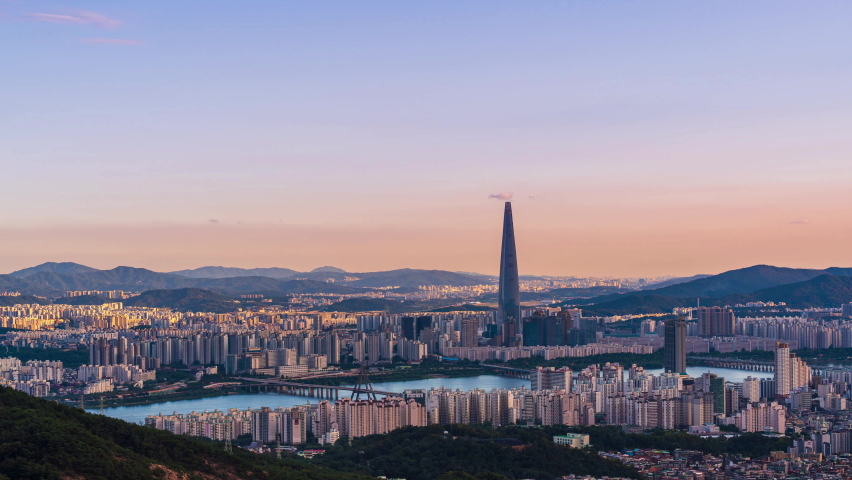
(137, 413)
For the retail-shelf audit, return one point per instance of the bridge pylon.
(363, 384)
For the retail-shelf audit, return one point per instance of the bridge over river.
(735, 363)
(509, 371)
(285, 387)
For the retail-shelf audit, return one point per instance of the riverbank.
(196, 391)
(93, 401)
(647, 361)
(256, 400)
(821, 356)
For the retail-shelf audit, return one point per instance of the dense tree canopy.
(464, 452)
(46, 441)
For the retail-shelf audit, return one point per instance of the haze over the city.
(665, 138)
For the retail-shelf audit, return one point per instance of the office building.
(674, 352)
(408, 330)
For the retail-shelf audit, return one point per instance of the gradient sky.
(638, 138)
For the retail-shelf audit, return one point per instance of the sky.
(634, 138)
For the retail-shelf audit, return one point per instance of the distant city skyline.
(655, 139)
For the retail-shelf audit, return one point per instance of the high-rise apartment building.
(550, 378)
(470, 332)
(751, 389)
(674, 352)
(783, 372)
(716, 321)
(508, 290)
(715, 385)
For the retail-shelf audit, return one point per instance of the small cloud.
(112, 41)
(501, 196)
(212, 220)
(79, 18)
(800, 222)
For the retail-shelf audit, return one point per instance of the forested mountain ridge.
(41, 440)
(53, 267)
(743, 280)
(52, 281)
(822, 291)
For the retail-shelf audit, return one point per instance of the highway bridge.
(509, 371)
(285, 387)
(736, 363)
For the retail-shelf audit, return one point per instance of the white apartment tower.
(783, 371)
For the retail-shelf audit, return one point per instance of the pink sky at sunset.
(636, 140)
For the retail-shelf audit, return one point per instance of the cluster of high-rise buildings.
(37, 377)
(34, 377)
(111, 294)
(608, 393)
(327, 421)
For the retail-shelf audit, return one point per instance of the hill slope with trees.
(184, 299)
(427, 453)
(743, 280)
(41, 440)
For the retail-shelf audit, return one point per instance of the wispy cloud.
(800, 222)
(501, 196)
(112, 41)
(212, 220)
(78, 18)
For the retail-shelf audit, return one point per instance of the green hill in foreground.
(465, 452)
(46, 441)
(458, 452)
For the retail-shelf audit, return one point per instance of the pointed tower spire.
(509, 290)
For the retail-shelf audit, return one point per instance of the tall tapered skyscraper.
(674, 353)
(509, 289)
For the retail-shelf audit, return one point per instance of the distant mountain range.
(799, 288)
(54, 267)
(822, 291)
(225, 272)
(54, 279)
(744, 280)
(674, 281)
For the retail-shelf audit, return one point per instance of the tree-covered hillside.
(460, 452)
(42, 440)
(184, 299)
(427, 453)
